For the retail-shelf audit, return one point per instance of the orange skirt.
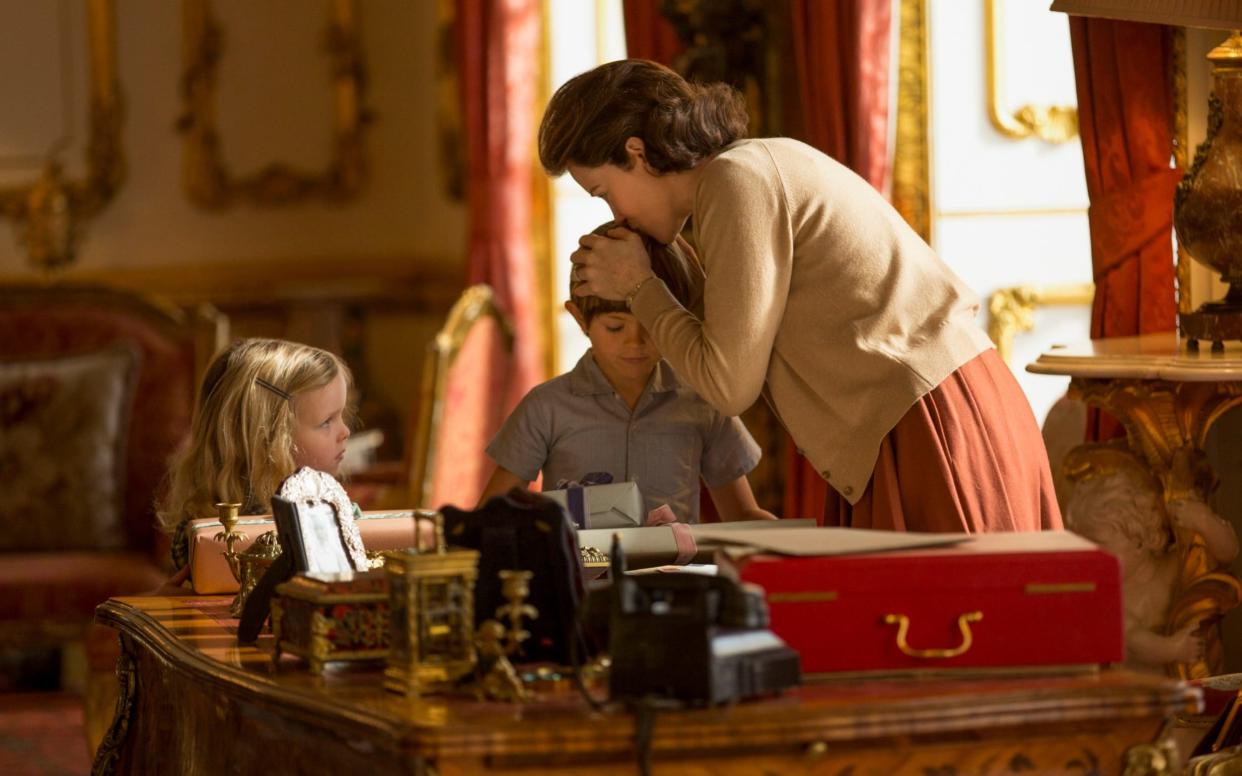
(968, 456)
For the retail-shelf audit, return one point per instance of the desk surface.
(194, 690)
(1147, 357)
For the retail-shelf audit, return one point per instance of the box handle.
(963, 622)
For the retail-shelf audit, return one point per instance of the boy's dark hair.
(590, 117)
(679, 271)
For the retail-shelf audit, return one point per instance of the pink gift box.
(209, 571)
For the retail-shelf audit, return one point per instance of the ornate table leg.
(109, 749)
(1166, 425)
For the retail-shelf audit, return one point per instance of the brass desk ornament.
(254, 562)
(431, 601)
(495, 678)
(230, 535)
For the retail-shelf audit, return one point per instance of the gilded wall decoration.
(1050, 123)
(208, 180)
(49, 213)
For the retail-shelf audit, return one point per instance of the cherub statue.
(1117, 503)
(496, 679)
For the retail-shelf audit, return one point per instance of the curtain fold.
(648, 35)
(1125, 109)
(841, 55)
(498, 59)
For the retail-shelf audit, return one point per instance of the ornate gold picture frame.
(209, 182)
(48, 213)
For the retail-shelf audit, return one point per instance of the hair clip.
(259, 381)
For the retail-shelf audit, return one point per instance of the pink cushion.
(62, 452)
(67, 586)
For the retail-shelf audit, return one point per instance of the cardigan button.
(827, 475)
(847, 490)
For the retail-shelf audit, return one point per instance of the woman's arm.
(736, 501)
(501, 482)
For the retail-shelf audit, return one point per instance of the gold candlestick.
(228, 518)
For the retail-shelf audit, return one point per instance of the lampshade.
(1213, 14)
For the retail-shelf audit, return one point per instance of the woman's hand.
(611, 266)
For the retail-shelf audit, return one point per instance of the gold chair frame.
(476, 303)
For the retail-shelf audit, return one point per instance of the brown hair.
(590, 117)
(678, 269)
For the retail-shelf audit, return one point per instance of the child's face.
(622, 347)
(319, 430)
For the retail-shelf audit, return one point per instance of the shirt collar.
(586, 378)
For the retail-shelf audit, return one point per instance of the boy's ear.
(576, 312)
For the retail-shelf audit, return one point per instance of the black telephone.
(697, 639)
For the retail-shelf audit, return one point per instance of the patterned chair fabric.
(39, 322)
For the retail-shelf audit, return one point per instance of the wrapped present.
(209, 572)
(610, 505)
(324, 618)
(1046, 600)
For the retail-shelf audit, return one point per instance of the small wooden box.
(324, 618)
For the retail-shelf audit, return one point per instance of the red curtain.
(841, 53)
(648, 35)
(1125, 110)
(498, 56)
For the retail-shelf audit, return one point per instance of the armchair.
(62, 347)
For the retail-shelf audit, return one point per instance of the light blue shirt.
(577, 424)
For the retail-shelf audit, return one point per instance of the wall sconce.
(49, 213)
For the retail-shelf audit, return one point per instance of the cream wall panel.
(273, 105)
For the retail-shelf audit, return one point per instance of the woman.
(817, 295)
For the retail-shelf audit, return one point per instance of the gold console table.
(1167, 398)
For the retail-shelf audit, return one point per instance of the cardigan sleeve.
(745, 241)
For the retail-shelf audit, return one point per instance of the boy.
(623, 411)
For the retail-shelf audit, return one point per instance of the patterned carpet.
(41, 734)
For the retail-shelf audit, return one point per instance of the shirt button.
(847, 490)
(826, 474)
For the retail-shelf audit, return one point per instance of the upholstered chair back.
(161, 348)
(463, 402)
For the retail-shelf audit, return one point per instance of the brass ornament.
(208, 181)
(49, 213)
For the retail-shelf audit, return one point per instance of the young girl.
(267, 408)
(818, 296)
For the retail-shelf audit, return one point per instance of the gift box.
(614, 505)
(324, 618)
(209, 571)
(671, 544)
(1046, 600)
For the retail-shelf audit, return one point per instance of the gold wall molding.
(1034, 212)
(912, 192)
(208, 181)
(1177, 73)
(1011, 311)
(1052, 124)
(49, 213)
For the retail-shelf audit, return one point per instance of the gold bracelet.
(629, 298)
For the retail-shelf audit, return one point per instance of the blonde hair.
(241, 440)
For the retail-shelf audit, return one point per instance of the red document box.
(998, 600)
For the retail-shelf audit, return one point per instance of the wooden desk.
(193, 702)
(1167, 397)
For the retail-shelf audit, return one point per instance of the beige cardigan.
(818, 293)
